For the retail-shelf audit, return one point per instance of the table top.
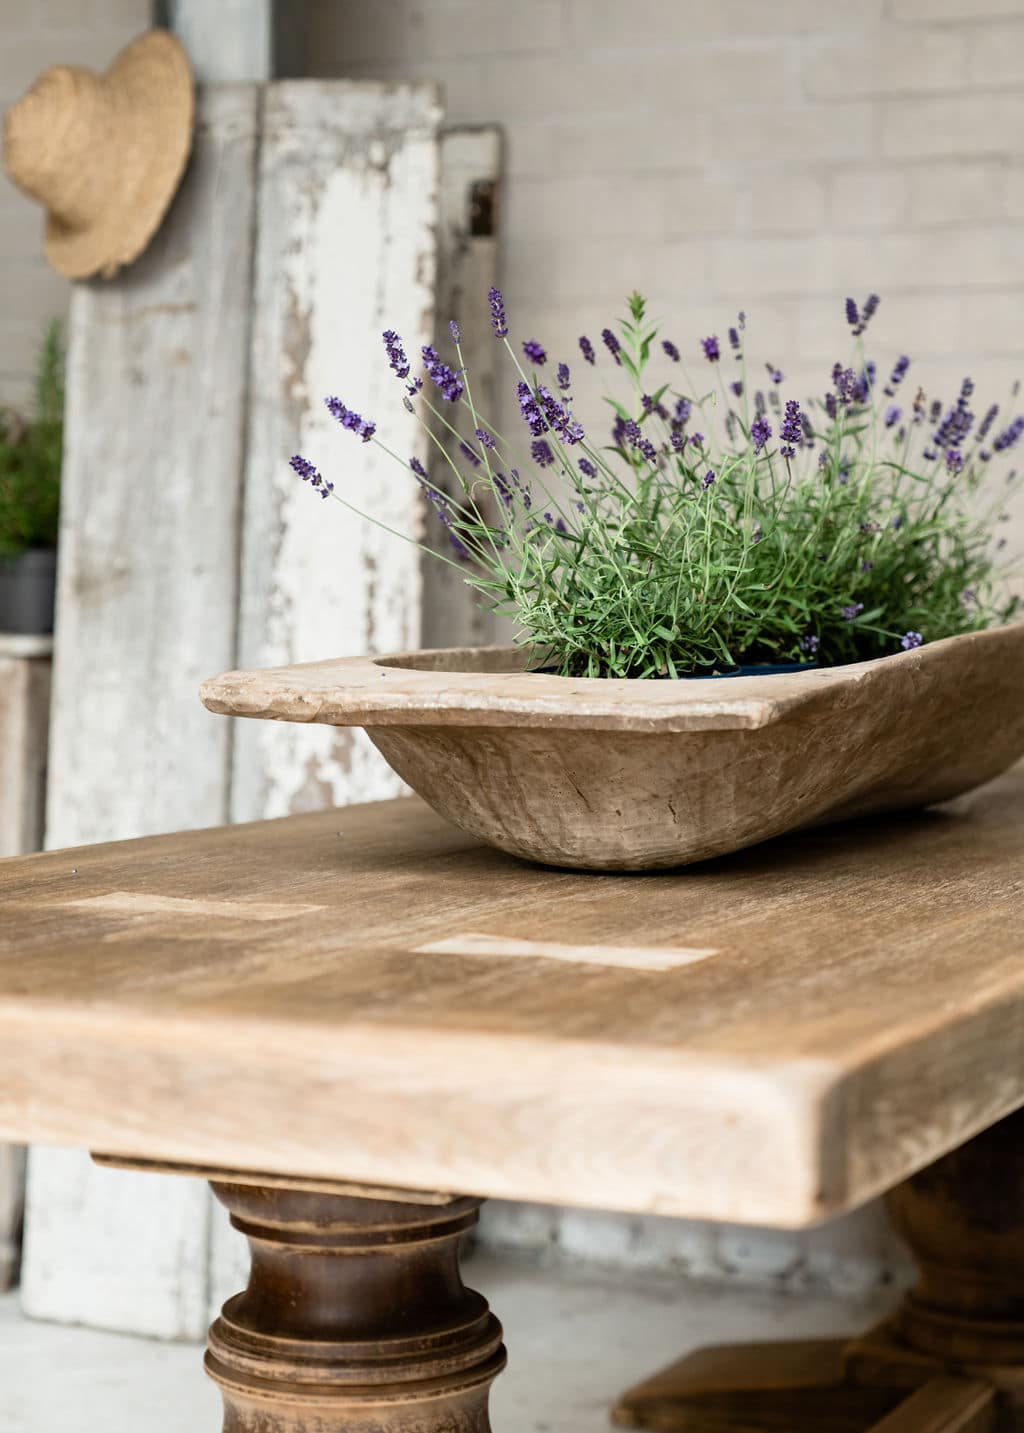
(367, 994)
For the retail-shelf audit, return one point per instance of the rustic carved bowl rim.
(494, 687)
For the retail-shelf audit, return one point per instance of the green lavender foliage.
(684, 546)
(30, 458)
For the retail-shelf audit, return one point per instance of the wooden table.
(348, 1020)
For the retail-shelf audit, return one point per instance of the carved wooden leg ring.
(355, 1319)
(950, 1360)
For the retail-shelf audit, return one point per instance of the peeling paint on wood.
(146, 603)
(346, 248)
(467, 267)
(350, 240)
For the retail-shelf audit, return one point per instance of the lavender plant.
(717, 524)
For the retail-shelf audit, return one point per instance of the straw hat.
(104, 153)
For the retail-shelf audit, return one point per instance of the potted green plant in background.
(30, 464)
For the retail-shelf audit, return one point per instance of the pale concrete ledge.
(17, 644)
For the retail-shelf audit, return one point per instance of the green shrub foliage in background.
(30, 458)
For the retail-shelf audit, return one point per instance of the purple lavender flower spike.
(954, 460)
(898, 374)
(587, 468)
(708, 478)
(670, 349)
(484, 438)
(697, 440)
(612, 344)
(349, 419)
(468, 454)
(587, 349)
(557, 417)
(455, 331)
(446, 379)
(852, 611)
(1009, 436)
(810, 643)
(498, 322)
(305, 469)
(892, 415)
(540, 449)
(502, 488)
(535, 352)
(563, 377)
(910, 640)
(734, 340)
(852, 313)
(775, 374)
(986, 422)
(737, 388)
(791, 430)
(711, 349)
(682, 412)
(760, 432)
(396, 353)
(678, 442)
(418, 469)
(530, 410)
(647, 450)
(866, 313)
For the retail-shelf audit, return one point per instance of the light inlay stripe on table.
(625, 957)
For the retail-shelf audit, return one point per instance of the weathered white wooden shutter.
(199, 373)
(147, 591)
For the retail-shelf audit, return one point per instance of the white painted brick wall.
(739, 154)
(726, 154)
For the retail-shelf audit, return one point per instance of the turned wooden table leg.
(963, 1218)
(950, 1359)
(355, 1318)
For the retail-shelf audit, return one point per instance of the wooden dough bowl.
(619, 775)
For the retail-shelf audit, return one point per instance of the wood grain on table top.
(368, 994)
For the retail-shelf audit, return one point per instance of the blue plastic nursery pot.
(769, 669)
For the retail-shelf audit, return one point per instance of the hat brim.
(150, 88)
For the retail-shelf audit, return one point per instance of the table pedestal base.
(951, 1359)
(355, 1318)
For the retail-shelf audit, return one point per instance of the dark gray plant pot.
(27, 587)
